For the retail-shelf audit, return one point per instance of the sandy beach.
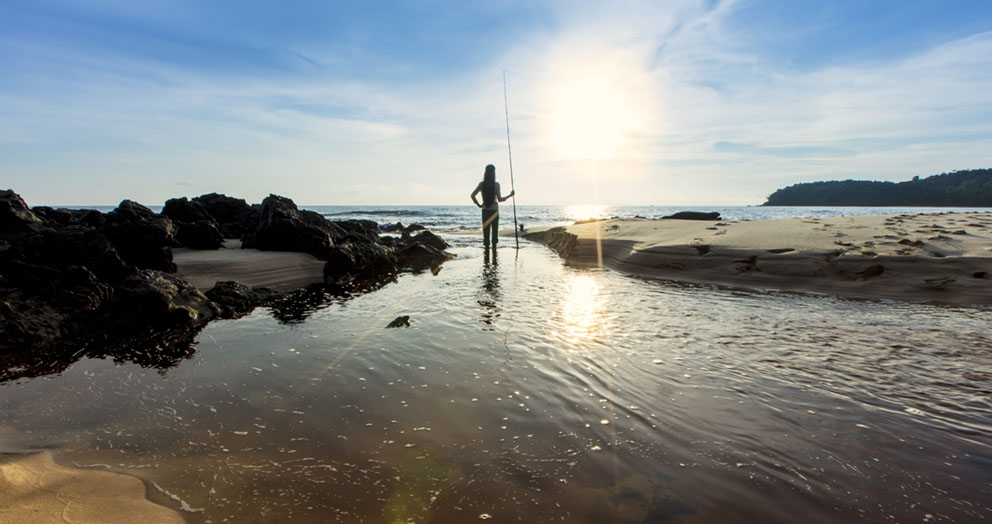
(35, 489)
(280, 270)
(944, 258)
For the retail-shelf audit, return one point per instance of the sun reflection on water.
(583, 310)
(585, 212)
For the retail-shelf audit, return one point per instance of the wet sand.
(35, 489)
(281, 270)
(943, 258)
(530, 391)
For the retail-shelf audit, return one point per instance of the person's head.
(490, 174)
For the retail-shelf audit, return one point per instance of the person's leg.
(495, 226)
(486, 217)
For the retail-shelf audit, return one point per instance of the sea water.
(454, 218)
(467, 217)
(525, 390)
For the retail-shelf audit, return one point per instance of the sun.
(596, 106)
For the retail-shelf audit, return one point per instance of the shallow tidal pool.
(528, 391)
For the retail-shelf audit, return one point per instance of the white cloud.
(713, 124)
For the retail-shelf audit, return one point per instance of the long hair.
(489, 185)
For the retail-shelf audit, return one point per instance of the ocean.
(452, 218)
(525, 390)
(463, 218)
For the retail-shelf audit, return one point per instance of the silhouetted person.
(491, 197)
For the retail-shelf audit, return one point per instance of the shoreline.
(942, 258)
(37, 489)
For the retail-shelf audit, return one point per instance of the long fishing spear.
(506, 109)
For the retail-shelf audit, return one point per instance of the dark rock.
(157, 300)
(390, 241)
(69, 217)
(89, 217)
(393, 228)
(141, 237)
(237, 299)
(980, 274)
(359, 261)
(65, 291)
(248, 221)
(84, 246)
(284, 227)
(183, 210)
(195, 228)
(16, 217)
(430, 239)
(59, 217)
(418, 257)
(400, 321)
(227, 212)
(693, 215)
(199, 235)
(414, 227)
(49, 305)
(355, 230)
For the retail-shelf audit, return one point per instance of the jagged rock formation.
(80, 282)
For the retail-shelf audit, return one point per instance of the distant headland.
(967, 188)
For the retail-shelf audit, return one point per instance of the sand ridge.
(33, 489)
(280, 270)
(924, 257)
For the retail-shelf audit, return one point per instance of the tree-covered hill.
(972, 188)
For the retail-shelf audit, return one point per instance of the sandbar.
(280, 270)
(33, 489)
(943, 258)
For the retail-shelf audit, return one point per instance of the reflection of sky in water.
(710, 404)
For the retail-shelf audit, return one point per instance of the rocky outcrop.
(694, 215)
(15, 216)
(227, 212)
(143, 238)
(357, 230)
(195, 228)
(162, 300)
(235, 299)
(427, 238)
(284, 227)
(67, 217)
(353, 261)
(400, 228)
(363, 260)
(77, 282)
(65, 282)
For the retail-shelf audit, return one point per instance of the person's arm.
(476, 192)
(507, 197)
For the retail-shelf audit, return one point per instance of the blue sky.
(676, 102)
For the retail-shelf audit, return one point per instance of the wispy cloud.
(714, 120)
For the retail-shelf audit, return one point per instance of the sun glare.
(585, 212)
(595, 106)
(583, 313)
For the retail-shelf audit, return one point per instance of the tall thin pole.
(506, 109)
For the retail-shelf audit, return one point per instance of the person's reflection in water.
(490, 294)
